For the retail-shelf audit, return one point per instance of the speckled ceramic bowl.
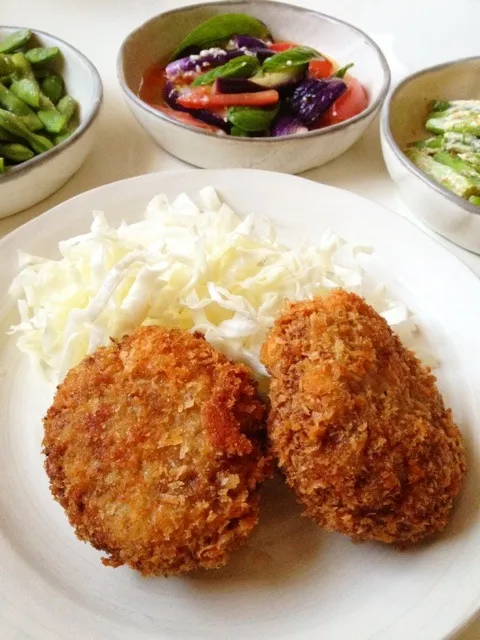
(36, 179)
(158, 37)
(403, 117)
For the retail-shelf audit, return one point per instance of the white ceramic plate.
(292, 581)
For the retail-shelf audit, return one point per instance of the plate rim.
(42, 220)
(37, 220)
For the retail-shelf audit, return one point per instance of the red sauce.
(152, 84)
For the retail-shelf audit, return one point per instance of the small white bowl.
(403, 117)
(156, 39)
(36, 179)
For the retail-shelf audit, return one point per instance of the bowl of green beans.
(430, 133)
(50, 96)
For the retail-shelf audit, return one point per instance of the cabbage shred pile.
(198, 267)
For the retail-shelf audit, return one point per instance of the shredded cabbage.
(193, 266)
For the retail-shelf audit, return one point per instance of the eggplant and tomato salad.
(229, 76)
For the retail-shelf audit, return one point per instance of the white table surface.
(412, 33)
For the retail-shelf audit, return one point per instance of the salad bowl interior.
(402, 122)
(410, 102)
(155, 41)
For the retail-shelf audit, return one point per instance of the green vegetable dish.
(452, 156)
(35, 112)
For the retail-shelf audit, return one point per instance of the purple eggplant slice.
(261, 54)
(313, 97)
(236, 85)
(210, 118)
(249, 42)
(204, 61)
(170, 95)
(286, 125)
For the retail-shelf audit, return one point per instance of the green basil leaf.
(341, 72)
(239, 133)
(241, 67)
(221, 28)
(293, 58)
(251, 118)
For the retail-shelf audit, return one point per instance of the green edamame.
(67, 107)
(40, 55)
(52, 87)
(15, 40)
(15, 125)
(10, 102)
(36, 113)
(15, 152)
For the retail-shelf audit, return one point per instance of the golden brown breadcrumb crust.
(357, 423)
(154, 448)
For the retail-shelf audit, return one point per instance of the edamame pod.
(67, 107)
(27, 90)
(62, 137)
(15, 152)
(12, 103)
(42, 72)
(52, 87)
(32, 99)
(5, 136)
(52, 120)
(15, 125)
(15, 40)
(40, 55)
(7, 65)
(22, 66)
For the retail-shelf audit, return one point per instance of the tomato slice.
(320, 69)
(186, 118)
(350, 104)
(279, 47)
(203, 98)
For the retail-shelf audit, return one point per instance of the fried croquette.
(358, 425)
(154, 449)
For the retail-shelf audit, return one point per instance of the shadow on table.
(358, 169)
(283, 547)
